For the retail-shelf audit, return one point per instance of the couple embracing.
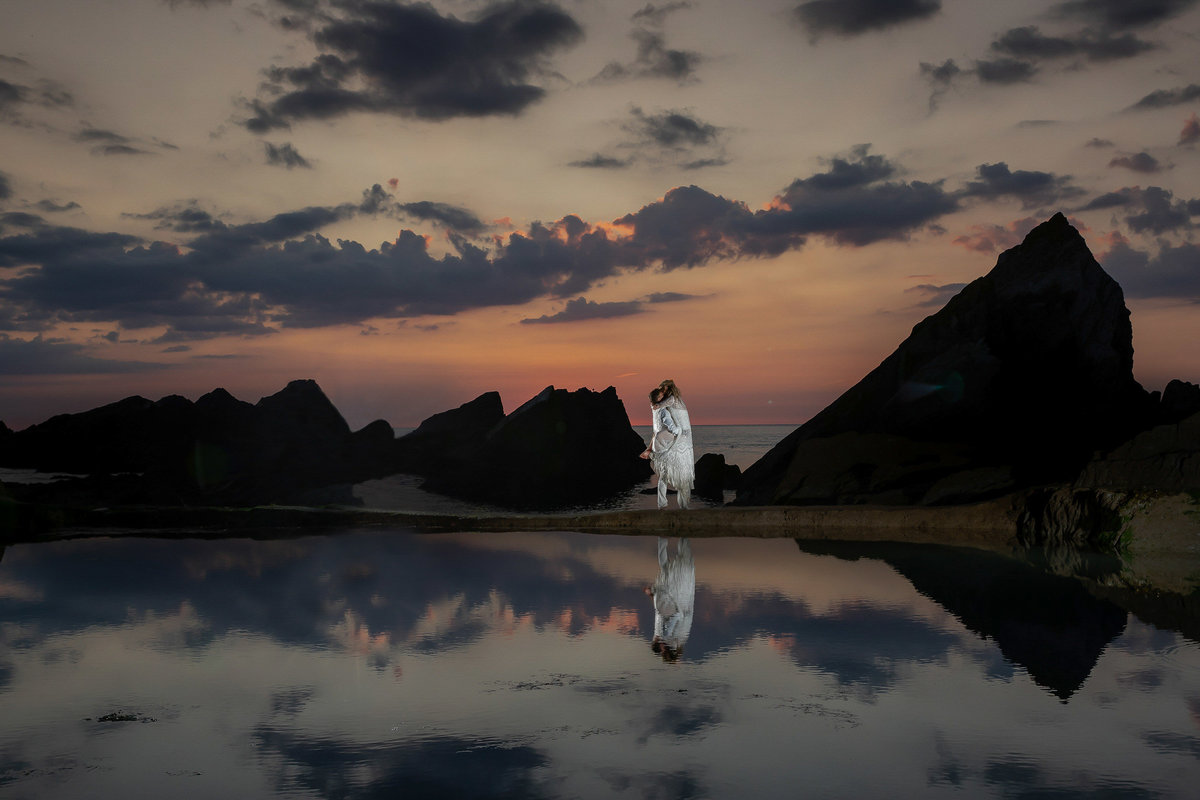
(670, 450)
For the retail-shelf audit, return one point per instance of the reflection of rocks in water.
(1164, 610)
(1048, 624)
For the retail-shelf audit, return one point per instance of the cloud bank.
(412, 61)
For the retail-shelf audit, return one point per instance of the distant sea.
(741, 445)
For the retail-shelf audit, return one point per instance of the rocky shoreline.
(1150, 541)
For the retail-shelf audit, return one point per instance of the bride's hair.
(669, 389)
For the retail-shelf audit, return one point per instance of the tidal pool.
(395, 664)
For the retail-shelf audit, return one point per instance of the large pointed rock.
(448, 437)
(558, 449)
(1016, 381)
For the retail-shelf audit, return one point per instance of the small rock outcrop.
(1165, 458)
(1016, 382)
(714, 476)
(1179, 400)
(559, 449)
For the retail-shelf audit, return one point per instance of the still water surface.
(393, 664)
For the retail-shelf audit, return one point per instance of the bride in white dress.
(670, 450)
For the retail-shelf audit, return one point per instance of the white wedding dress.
(671, 451)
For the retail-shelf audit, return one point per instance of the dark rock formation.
(1016, 382)
(218, 449)
(559, 449)
(714, 476)
(447, 439)
(1165, 458)
(1179, 400)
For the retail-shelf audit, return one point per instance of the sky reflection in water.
(520, 665)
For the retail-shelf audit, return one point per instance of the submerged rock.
(1016, 382)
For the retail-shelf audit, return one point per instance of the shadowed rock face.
(447, 438)
(218, 449)
(1016, 381)
(560, 448)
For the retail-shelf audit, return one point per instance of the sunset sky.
(415, 203)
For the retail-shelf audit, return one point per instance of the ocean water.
(520, 665)
(741, 445)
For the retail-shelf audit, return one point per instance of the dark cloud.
(855, 17)
(11, 95)
(1164, 98)
(862, 214)
(1123, 14)
(859, 169)
(1018, 54)
(20, 219)
(672, 129)
(1160, 212)
(940, 77)
(1151, 210)
(671, 137)
(5, 187)
(669, 297)
(174, 4)
(40, 356)
(1005, 71)
(1032, 188)
(187, 217)
(109, 143)
(1098, 142)
(52, 207)
(702, 163)
(1109, 200)
(654, 59)
(119, 150)
(1174, 272)
(1138, 162)
(285, 155)
(252, 278)
(655, 15)
(408, 59)
(583, 309)
(15, 97)
(1029, 42)
(600, 161)
(453, 217)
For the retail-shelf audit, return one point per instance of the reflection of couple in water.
(674, 594)
(670, 450)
